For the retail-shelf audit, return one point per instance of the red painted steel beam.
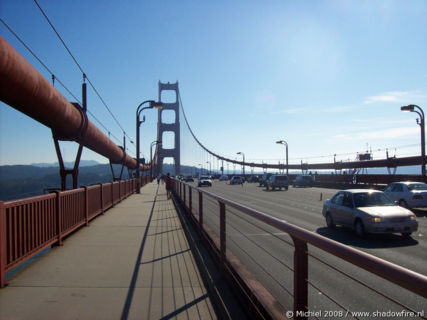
(390, 162)
(25, 89)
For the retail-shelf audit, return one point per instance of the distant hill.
(83, 163)
(21, 181)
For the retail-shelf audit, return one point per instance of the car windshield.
(417, 186)
(371, 199)
(204, 178)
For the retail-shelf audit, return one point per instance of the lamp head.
(408, 108)
(158, 105)
(239, 152)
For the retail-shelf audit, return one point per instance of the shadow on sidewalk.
(129, 297)
(225, 304)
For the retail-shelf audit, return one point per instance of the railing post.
(86, 205)
(300, 278)
(190, 200)
(222, 235)
(200, 210)
(112, 194)
(183, 186)
(102, 198)
(3, 252)
(59, 216)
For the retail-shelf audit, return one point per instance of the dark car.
(236, 180)
(277, 181)
(253, 179)
(188, 179)
(264, 179)
(303, 181)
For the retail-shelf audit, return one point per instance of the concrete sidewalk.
(134, 262)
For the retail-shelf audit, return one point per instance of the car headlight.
(413, 218)
(374, 219)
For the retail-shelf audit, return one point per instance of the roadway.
(266, 252)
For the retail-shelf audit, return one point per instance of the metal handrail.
(406, 278)
(410, 280)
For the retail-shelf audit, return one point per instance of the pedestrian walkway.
(133, 262)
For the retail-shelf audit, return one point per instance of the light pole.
(421, 123)
(210, 168)
(243, 162)
(152, 104)
(151, 157)
(287, 164)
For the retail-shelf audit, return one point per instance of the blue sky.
(328, 77)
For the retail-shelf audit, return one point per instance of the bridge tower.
(162, 127)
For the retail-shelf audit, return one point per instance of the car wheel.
(406, 234)
(286, 188)
(403, 203)
(329, 221)
(359, 228)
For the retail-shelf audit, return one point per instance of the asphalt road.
(269, 253)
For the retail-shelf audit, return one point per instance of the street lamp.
(210, 168)
(151, 157)
(243, 162)
(420, 122)
(152, 104)
(286, 144)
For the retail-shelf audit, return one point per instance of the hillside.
(22, 181)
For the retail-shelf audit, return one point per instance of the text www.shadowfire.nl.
(356, 314)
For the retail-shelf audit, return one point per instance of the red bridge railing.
(28, 226)
(211, 215)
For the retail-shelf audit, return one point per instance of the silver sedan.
(408, 194)
(368, 211)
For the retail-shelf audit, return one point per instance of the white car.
(204, 181)
(408, 194)
(368, 211)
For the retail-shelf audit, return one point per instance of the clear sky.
(328, 77)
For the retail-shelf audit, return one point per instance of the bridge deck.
(132, 263)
